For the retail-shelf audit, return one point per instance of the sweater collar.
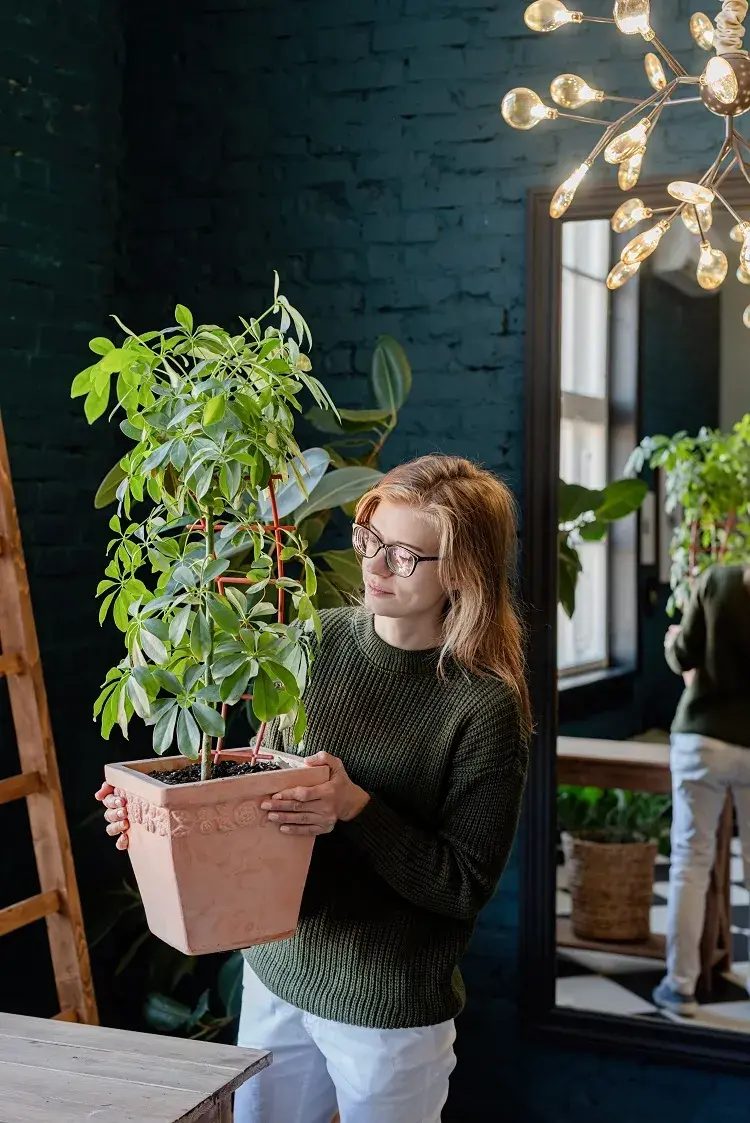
(392, 659)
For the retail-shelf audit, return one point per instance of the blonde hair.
(474, 515)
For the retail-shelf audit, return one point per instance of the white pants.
(703, 770)
(320, 1067)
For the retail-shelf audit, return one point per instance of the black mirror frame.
(648, 1039)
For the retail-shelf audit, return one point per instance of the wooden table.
(642, 766)
(58, 1072)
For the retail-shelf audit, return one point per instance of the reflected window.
(584, 428)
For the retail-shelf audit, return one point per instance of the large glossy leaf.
(165, 1014)
(341, 486)
(352, 420)
(107, 492)
(290, 495)
(391, 374)
(569, 567)
(621, 498)
(574, 500)
(347, 567)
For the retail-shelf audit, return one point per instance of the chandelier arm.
(597, 19)
(741, 140)
(604, 141)
(729, 168)
(676, 67)
(629, 100)
(741, 161)
(730, 30)
(699, 224)
(727, 206)
(586, 120)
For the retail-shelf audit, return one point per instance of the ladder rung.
(11, 664)
(17, 787)
(26, 912)
(65, 1016)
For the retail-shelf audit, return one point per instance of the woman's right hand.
(116, 814)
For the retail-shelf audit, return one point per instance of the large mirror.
(643, 394)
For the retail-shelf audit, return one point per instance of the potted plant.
(707, 481)
(196, 581)
(610, 841)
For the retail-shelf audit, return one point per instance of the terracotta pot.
(214, 875)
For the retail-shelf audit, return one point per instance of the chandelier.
(724, 89)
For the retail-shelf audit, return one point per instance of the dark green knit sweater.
(714, 641)
(392, 896)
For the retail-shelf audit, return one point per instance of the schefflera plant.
(211, 417)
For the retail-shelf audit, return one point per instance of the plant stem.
(206, 765)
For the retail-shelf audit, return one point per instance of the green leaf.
(139, 698)
(343, 485)
(100, 345)
(310, 467)
(152, 646)
(188, 734)
(107, 490)
(391, 374)
(96, 404)
(346, 565)
(235, 685)
(285, 677)
(184, 318)
(164, 729)
(593, 532)
(621, 498)
(574, 500)
(184, 577)
(265, 697)
(200, 637)
(178, 625)
(223, 615)
(82, 383)
(210, 720)
(352, 420)
(214, 409)
(166, 680)
(164, 1014)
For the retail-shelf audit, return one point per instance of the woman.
(710, 756)
(417, 702)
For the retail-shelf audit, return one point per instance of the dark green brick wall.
(59, 130)
(358, 149)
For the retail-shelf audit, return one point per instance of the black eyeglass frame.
(416, 558)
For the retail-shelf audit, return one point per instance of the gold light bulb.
(633, 17)
(563, 197)
(721, 80)
(571, 92)
(620, 273)
(523, 109)
(643, 245)
(690, 192)
(746, 317)
(742, 276)
(629, 214)
(712, 267)
(702, 30)
(655, 71)
(627, 144)
(705, 214)
(629, 171)
(737, 233)
(548, 15)
(745, 249)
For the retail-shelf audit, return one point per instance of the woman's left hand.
(317, 809)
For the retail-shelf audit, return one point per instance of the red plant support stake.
(255, 753)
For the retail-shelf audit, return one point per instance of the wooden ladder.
(39, 780)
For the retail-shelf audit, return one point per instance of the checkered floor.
(618, 984)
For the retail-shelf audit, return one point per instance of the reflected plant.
(708, 483)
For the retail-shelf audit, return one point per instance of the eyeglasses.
(400, 561)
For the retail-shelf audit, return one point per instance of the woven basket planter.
(611, 887)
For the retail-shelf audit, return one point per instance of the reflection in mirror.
(653, 520)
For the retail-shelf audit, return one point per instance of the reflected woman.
(710, 756)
